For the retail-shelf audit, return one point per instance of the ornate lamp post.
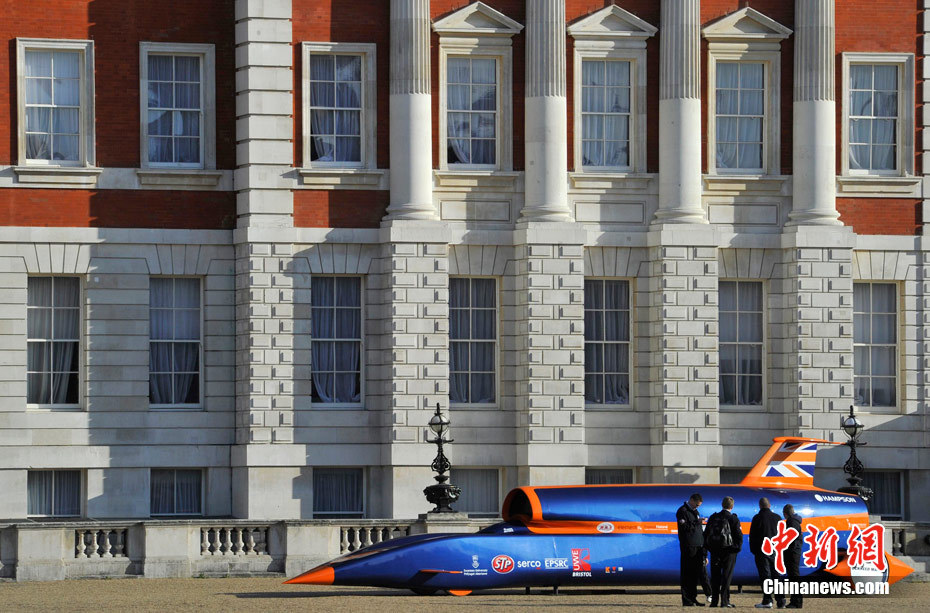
(853, 467)
(441, 494)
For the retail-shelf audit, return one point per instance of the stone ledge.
(343, 178)
(853, 186)
(744, 185)
(85, 176)
(178, 177)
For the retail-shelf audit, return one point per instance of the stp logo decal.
(605, 527)
(581, 559)
(502, 564)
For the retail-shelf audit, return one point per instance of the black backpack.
(717, 535)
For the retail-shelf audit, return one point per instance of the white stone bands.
(545, 48)
(410, 33)
(680, 49)
(814, 50)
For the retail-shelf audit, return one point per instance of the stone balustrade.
(364, 533)
(102, 542)
(234, 540)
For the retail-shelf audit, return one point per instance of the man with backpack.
(723, 537)
(764, 525)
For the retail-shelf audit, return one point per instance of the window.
(339, 102)
(472, 340)
(607, 342)
(887, 493)
(744, 93)
(480, 490)
(56, 85)
(733, 475)
(338, 492)
(610, 91)
(472, 111)
(336, 328)
(875, 343)
(178, 101)
(475, 98)
(53, 493)
(605, 113)
(740, 115)
(878, 114)
(177, 492)
(608, 476)
(741, 338)
(174, 342)
(53, 324)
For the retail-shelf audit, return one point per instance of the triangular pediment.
(746, 23)
(477, 19)
(611, 21)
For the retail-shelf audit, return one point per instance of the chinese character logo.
(822, 547)
(865, 547)
(778, 544)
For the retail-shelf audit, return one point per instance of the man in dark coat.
(693, 554)
(765, 524)
(793, 554)
(723, 556)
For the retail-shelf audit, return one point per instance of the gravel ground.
(267, 594)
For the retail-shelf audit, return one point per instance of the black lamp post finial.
(441, 494)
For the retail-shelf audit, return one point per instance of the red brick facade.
(117, 28)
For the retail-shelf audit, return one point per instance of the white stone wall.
(114, 437)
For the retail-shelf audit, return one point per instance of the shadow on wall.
(674, 475)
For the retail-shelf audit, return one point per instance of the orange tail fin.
(789, 462)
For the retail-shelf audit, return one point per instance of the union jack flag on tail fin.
(789, 462)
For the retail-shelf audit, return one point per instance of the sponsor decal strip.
(840, 522)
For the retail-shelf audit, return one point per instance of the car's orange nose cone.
(316, 576)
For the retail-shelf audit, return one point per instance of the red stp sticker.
(502, 564)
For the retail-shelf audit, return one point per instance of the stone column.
(264, 456)
(814, 154)
(680, 114)
(411, 112)
(546, 137)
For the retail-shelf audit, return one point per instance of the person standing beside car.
(764, 525)
(723, 537)
(693, 554)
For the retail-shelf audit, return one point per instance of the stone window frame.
(498, 350)
(203, 491)
(181, 174)
(906, 126)
(763, 405)
(727, 42)
(598, 37)
(201, 404)
(351, 406)
(82, 491)
(497, 470)
(335, 514)
(899, 386)
(82, 365)
(341, 175)
(602, 406)
(83, 171)
(491, 39)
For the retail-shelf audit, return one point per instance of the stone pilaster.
(546, 139)
(684, 347)
(411, 111)
(680, 114)
(549, 288)
(415, 320)
(817, 289)
(814, 138)
(265, 281)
